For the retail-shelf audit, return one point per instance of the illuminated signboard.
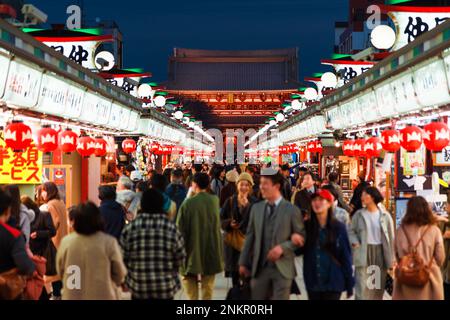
(4, 65)
(348, 70)
(20, 167)
(411, 22)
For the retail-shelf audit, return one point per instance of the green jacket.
(199, 222)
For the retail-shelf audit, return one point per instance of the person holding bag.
(419, 249)
(234, 217)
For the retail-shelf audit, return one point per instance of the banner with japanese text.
(20, 167)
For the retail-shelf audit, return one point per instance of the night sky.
(152, 29)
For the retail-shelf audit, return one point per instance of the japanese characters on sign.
(431, 84)
(20, 167)
(82, 52)
(95, 109)
(59, 97)
(347, 70)
(22, 85)
(125, 84)
(411, 22)
(4, 65)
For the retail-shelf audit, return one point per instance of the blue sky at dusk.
(152, 29)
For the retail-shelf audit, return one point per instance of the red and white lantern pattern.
(85, 146)
(18, 136)
(311, 146)
(411, 138)
(128, 145)
(358, 148)
(68, 141)
(347, 148)
(372, 147)
(436, 136)
(100, 147)
(390, 141)
(47, 139)
(154, 148)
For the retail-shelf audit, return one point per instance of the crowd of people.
(182, 227)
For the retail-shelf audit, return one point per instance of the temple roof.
(248, 70)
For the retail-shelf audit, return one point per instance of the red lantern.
(311, 146)
(411, 138)
(128, 145)
(390, 140)
(358, 148)
(68, 141)
(85, 146)
(47, 139)
(436, 136)
(347, 148)
(319, 147)
(154, 147)
(18, 136)
(100, 147)
(373, 147)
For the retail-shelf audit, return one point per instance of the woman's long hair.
(52, 191)
(418, 212)
(13, 191)
(312, 227)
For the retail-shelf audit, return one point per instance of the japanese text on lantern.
(20, 167)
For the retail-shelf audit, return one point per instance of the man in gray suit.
(268, 253)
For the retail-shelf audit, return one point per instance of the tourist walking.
(327, 263)
(268, 253)
(21, 216)
(230, 186)
(355, 202)
(217, 179)
(176, 190)
(94, 255)
(199, 223)
(372, 239)
(333, 178)
(127, 197)
(419, 233)
(153, 251)
(112, 212)
(339, 213)
(302, 198)
(235, 215)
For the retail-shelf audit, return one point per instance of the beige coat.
(97, 262)
(58, 211)
(431, 247)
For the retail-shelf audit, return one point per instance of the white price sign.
(22, 85)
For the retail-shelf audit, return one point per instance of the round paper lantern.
(411, 138)
(358, 148)
(383, 37)
(319, 147)
(100, 147)
(128, 145)
(154, 147)
(311, 94)
(390, 140)
(311, 146)
(68, 141)
(373, 147)
(329, 80)
(18, 136)
(160, 101)
(347, 148)
(47, 139)
(85, 146)
(436, 136)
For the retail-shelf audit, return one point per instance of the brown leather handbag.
(412, 269)
(235, 238)
(12, 284)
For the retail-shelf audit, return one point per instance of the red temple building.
(233, 89)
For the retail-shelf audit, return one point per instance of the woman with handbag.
(235, 216)
(42, 231)
(419, 242)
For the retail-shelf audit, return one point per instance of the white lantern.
(104, 61)
(296, 104)
(311, 94)
(186, 120)
(383, 37)
(272, 123)
(145, 90)
(280, 117)
(329, 80)
(191, 124)
(160, 101)
(178, 115)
